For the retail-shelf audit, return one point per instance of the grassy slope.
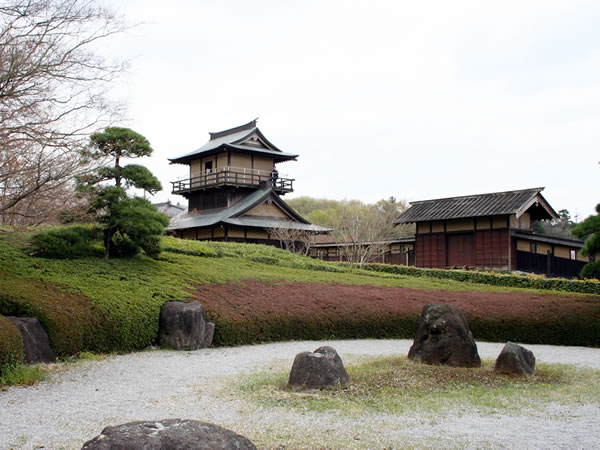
(114, 304)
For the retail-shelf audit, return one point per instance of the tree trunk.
(108, 235)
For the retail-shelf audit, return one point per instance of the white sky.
(416, 100)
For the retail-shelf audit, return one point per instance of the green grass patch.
(90, 356)
(22, 375)
(91, 304)
(396, 385)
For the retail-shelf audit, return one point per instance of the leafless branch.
(53, 92)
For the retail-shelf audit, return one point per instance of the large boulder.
(167, 434)
(183, 326)
(443, 337)
(515, 360)
(322, 368)
(35, 340)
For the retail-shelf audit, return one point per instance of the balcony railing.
(232, 176)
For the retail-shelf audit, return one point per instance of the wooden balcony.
(232, 176)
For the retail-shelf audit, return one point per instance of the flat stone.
(443, 337)
(515, 360)
(166, 435)
(35, 340)
(322, 368)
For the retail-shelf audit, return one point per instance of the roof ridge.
(218, 134)
(537, 189)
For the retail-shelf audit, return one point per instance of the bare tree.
(363, 231)
(361, 234)
(292, 239)
(53, 92)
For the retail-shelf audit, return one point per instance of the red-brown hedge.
(253, 311)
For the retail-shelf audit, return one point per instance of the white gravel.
(77, 403)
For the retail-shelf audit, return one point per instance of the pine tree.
(130, 224)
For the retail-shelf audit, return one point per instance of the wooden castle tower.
(234, 190)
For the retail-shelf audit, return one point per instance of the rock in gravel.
(515, 360)
(183, 326)
(35, 340)
(168, 434)
(443, 337)
(322, 368)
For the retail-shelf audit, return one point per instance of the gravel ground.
(81, 399)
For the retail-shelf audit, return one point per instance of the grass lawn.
(93, 304)
(397, 385)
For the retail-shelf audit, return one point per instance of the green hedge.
(260, 253)
(11, 345)
(495, 279)
(67, 242)
(73, 324)
(574, 330)
(234, 331)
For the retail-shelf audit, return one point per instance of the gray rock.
(515, 360)
(183, 326)
(443, 337)
(321, 369)
(35, 340)
(166, 435)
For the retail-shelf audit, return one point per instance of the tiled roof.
(235, 139)
(494, 204)
(234, 215)
(169, 208)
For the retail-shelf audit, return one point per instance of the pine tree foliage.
(129, 224)
(590, 230)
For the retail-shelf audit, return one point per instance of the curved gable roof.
(245, 138)
(235, 215)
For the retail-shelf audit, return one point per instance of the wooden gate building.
(491, 231)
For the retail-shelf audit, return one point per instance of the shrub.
(591, 270)
(495, 279)
(123, 247)
(73, 324)
(11, 345)
(66, 242)
(22, 375)
(260, 253)
(252, 311)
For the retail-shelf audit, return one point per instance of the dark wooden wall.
(430, 250)
(491, 248)
(487, 248)
(212, 199)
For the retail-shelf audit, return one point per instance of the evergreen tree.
(130, 223)
(560, 227)
(590, 229)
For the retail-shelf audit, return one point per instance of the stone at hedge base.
(183, 326)
(515, 360)
(443, 337)
(36, 344)
(322, 368)
(168, 434)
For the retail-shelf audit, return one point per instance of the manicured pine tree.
(130, 224)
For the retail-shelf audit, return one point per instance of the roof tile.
(498, 203)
